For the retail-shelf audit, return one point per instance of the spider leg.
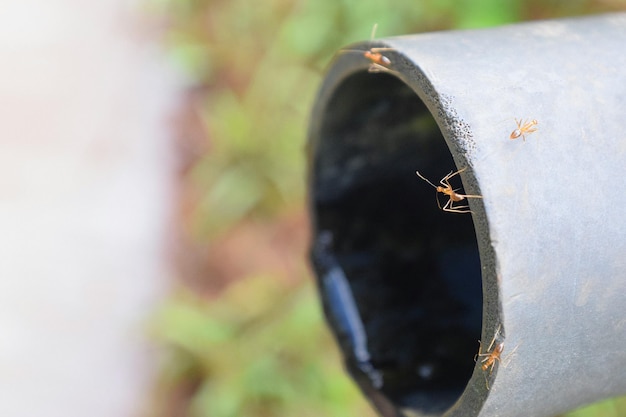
(495, 335)
(446, 206)
(480, 347)
(382, 49)
(493, 340)
(452, 209)
(374, 67)
(444, 180)
(459, 210)
(450, 175)
(507, 360)
(425, 179)
(460, 170)
(343, 51)
(470, 195)
(449, 208)
(374, 31)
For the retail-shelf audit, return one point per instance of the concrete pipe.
(534, 115)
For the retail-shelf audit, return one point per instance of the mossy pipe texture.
(537, 270)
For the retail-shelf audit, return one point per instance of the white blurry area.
(86, 194)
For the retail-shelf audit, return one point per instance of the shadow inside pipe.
(400, 279)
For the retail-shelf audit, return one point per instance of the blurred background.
(154, 197)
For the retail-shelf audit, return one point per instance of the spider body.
(523, 128)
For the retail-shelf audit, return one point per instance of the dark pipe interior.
(413, 270)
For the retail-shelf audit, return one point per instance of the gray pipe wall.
(539, 266)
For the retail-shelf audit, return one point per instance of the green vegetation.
(257, 351)
(258, 347)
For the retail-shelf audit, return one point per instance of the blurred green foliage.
(609, 408)
(257, 351)
(261, 348)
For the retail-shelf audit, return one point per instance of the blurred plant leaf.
(263, 350)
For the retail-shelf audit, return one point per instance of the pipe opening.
(413, 271)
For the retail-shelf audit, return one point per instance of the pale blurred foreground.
(86, 196)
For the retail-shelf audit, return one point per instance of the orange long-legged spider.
(379, 62)
(523, 129)
(491, 356)
(453, 197)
